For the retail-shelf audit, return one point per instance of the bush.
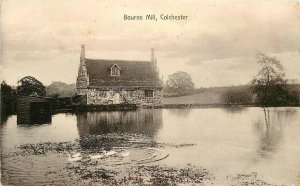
(279, 95)
(236, 97)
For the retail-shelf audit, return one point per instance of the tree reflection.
(3, 118)
(144, 121)
(270, 129)
(235, 109)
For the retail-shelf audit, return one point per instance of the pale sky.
(216, 45)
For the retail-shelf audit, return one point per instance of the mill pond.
(204, 146)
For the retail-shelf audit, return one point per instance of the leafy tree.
(179, 83)
(29, 86)
(8, 99)
(269, 84)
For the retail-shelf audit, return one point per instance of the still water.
(225, 141)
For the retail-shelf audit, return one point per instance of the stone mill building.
(102, 81)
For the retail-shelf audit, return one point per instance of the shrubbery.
(236, 97)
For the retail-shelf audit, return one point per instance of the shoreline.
(132, 107)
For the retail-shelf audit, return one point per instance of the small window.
(131, 93)
(149, 93)
(102, 94)
(115, 71)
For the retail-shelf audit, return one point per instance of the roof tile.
(133, 73)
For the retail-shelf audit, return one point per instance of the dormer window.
(115, 70)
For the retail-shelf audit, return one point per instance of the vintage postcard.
(150, 92)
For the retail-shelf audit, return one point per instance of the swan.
(76, 155)
(97, 156)
(74, 158)
(124, 154)
(109, 153)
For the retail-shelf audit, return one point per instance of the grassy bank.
(202, 98)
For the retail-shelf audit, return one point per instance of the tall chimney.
(82, 54)
(152, 55)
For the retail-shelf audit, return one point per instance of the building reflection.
(142, 121)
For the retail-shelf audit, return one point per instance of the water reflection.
(182, 113)
(270, 129)
(144, 121)
(228, 141)
(3, 118)
(235, 109)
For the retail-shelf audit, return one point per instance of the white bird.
(74, 158)
(124, 154)
(97, 156)
(109, 153)
(76, 155)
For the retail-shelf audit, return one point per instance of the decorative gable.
(115, 70)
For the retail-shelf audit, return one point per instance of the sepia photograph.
(99, 92)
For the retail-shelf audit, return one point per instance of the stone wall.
(82, 91)
(83, 77)
(100, 97)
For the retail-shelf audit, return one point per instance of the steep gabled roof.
(133, 73)
(115, 65)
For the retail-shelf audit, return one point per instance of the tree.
(179, 83)
(269, 84)
(8, 99)
(29, 86)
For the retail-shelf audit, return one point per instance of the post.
(82, 54)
